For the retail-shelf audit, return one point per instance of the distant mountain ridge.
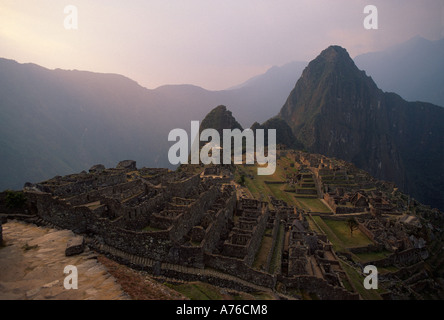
(413, 69)
(337, 110)
(56, 122)
(283, 77)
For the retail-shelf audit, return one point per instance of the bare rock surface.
(32, 263)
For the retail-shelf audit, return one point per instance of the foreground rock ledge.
(75, 246)
(32, 263)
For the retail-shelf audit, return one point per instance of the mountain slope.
(413, 69)
(284, 134)
(56, 122)
(283, 77)
(336, 110)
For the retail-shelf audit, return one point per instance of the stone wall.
(58, 212)
(246, 237)
(191, 256)
(318, 286)
(119, 223)
(155, 244)
(222, 180)
(367, 249)
(365, 231)
(278, 269)
(165, 219)
(344, 218)
(273, 182)
(81, 183)
(306, 191)
(193, 214)
(177, 271)
(274, 235)
(219, 224)
(238, 268)
(256, 238)
(136, 218)
(213, 280)
(403, 258)
(183, 187)
(208, 233)
(347, 210)
(119, 191)
(405, 272)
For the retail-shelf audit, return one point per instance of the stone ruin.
(187, 220)
(389, 233)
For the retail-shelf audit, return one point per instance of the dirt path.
(32, 264)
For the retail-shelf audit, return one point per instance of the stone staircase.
(177, 273)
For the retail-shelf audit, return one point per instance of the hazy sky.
(211, 43)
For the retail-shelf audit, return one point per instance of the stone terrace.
(187, 221)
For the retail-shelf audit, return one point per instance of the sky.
(215, 44)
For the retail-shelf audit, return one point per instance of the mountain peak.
(331, 76)
(334, 52)
(332, 62)
(336, 110)
(220, 118)
(333, 57)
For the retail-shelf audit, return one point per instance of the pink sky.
(213, 44)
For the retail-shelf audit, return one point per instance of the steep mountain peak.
(221, 108)
(334, 59)
(336, 110)
(220, 118)
(333, 53)
(328, 82)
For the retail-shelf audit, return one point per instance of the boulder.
(75, 246)
(97, 168)
(127, 164)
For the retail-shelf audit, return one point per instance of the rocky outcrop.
(127, 165)
(75, 246)
(97, 168)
